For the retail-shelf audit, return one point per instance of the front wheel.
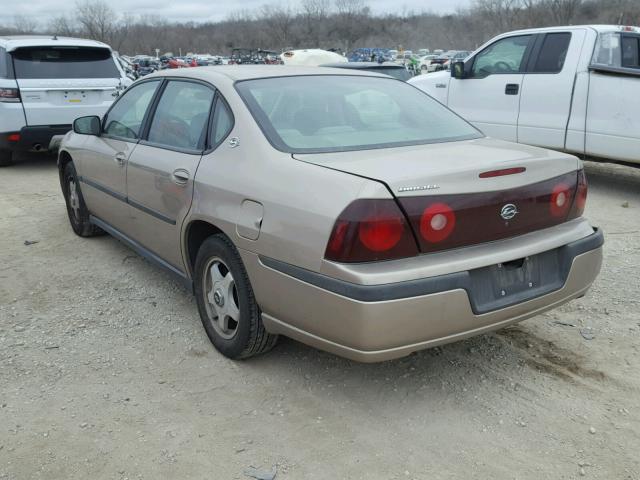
(227, 306)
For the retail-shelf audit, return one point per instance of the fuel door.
(250, 219)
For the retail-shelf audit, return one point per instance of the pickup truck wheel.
(6, 158)
(76, 208)
(227, 306)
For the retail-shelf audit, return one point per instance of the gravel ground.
(106, 372)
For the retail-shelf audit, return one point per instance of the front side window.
(64, 62)
(124, 120)
(182, 115)
(553, 53)
(329, 113)
(504, 56)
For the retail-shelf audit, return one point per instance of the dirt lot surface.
(106, 373)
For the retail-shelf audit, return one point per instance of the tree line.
(338, 24)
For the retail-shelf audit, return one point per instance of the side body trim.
(125, 199)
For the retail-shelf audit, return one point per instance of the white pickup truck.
(575, 89)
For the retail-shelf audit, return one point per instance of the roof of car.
(11, 42)
(362, 65)
(597, 28)
(249, 72)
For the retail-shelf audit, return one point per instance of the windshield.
(332, 113)
(64, 62)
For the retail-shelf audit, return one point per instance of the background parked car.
(387, 68)
(46, 83)
(572, 88)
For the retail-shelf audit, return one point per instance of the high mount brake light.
(369, 230)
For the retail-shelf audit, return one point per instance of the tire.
(220, 298)
(76, 208)
(6, 158)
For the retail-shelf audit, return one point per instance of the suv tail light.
(369, 230)
(9, 95)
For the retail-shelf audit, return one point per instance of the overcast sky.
(197, 10)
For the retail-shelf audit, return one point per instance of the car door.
(489, 95)
(102, 163)
(162, 167)
(546, 94)
(613, 126)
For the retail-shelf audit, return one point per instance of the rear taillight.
(581, 196)
(437, 222)
(560, 200)
(443, 222)
(9, 95)
(370, 230)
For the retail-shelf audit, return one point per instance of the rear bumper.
(372, 323)
(32, 138)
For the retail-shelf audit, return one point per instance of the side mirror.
(457, 70)
(87, 125)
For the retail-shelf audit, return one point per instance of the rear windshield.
(64, 62)
(332, 113)
(399, 73)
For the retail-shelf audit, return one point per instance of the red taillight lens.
(560, 201)
(13, 137)
(437, 222)
(580, 200)
(370, 230)
(380, 233)
(10, 95)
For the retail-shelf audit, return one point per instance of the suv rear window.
(64, 62)
(3, 63)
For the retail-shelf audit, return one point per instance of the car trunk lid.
(463, 193)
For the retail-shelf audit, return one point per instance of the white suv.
(46, 83)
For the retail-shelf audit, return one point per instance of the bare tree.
(279, 19)
(23, 24)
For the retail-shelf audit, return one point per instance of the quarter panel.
(301, 201)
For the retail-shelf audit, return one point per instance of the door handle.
(120, 158)
(511, 89)
(180, 176)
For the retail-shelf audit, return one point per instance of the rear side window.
(630, 49)
(125, 119)
(607, 51)
(3, 63)
(222, 122)
(64, 62)
(182, 115)
(553, 53)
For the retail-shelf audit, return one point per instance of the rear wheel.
(76, 208)
(6, 158)
(227, 306)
